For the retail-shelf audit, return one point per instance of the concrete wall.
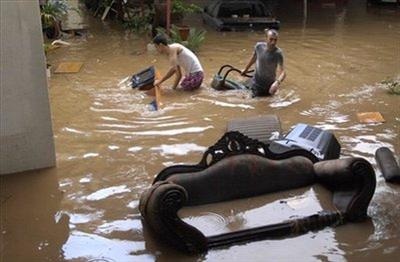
(26, 136)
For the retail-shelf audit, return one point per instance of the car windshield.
(240, 9)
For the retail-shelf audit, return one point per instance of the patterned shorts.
(192, 81)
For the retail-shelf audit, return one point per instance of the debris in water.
(370, 117)
(68, 67)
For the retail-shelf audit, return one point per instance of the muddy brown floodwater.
(110, 144)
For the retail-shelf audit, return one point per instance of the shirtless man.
(269, 61)
(180, 58)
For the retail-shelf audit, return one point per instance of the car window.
(263, 10)
(240, 8)
(211, 8)
(228, 9)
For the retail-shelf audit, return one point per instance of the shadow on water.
(34, 227)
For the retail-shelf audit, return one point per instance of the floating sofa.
(239, 167)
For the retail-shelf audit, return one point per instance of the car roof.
(238, 1)
(219, 2)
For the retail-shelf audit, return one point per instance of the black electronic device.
(144, 80)
(321, 143)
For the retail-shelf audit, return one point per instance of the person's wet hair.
(268, 31)
(160, 39)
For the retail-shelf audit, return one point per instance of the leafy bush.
(140, 23)
(52, 11)
(180, 7)
(195, 39)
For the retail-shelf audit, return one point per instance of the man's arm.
(170, 73)
(280, 72)
(281, 76)
(178, 77)
(251, 62)
(174, 68)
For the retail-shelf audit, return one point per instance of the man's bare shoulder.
(175, 47)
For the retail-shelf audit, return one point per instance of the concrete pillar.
(26, 135)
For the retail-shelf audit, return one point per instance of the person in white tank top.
(181, 58)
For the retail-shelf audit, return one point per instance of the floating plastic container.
(144, 80)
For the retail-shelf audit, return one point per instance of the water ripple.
(101, 247)
(172, 132)
(208, 222)
(225, 104)
(107, 192)
(284, 101)
(179, 149)
(120, 225)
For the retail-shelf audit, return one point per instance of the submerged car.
(232, 15)
(387, 2)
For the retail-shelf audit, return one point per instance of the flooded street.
(110, 144)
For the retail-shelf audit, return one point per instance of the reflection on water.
(31, 224)
(242, 214)
(110, 145)
(102, 248)
(320, 246)
(208, 223)
(285, 100)
(224, 104)
(178, 149)
(106, 192)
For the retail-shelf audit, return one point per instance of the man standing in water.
(269, 63)
(180, 57)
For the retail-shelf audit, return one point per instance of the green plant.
(162, 31)
(175, 35)
(52, 11)
(392, 85)
(46, 48)
(195, 39)
(139, 23)
(180, 8)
